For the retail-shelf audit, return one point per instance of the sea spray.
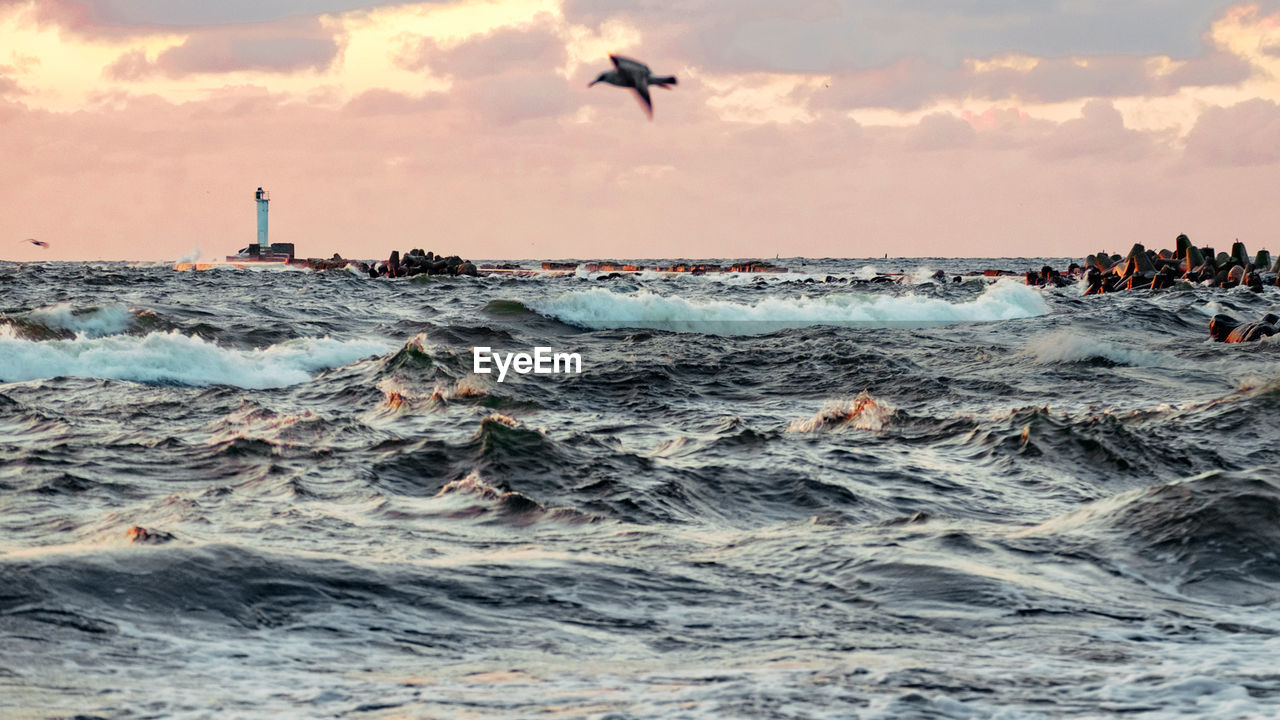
(174, 358)
(601, 308)
(89, 322)
(1068, 347)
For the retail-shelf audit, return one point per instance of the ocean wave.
(922, 275)
(599, 308)
(1209, 536)
(861, 413)
(1070, 347)
(174, 358)
(89, 322)
(473, 497)
(64, 320)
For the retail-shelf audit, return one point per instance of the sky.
(139, 129)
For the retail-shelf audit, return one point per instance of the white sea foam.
(602, 308)
(922, 275)
(723, 278)
(177, 359)
(97, 322)
(1213, 307)
(861, 413)
(1066, 346)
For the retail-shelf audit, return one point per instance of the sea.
(850, 490)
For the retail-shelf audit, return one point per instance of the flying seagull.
(37, 243)
(633, 74)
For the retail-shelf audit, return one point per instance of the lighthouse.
(263, 199)
(264, 250)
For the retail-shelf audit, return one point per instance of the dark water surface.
(761, 498)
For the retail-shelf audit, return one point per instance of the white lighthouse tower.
(264, 250)
(263, 198)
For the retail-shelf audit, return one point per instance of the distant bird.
(633, 74)
(37, 243)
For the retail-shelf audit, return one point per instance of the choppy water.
(761, 498)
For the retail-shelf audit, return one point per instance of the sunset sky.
(139, 129)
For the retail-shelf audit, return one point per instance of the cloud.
(1243, 135)
(515, 97)
(22, 64)
(1099, 134)
(282, 48)
(913, 83)
(297, 45)
(134, 17)
(131, 66)
(940, 131)
(537, 45)
(838, 36)
(904, 85)
(8, 85)
(388, 102)
(1060, 79)
(503, 76)
(1213, 69)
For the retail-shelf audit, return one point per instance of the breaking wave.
(1068, 347)
(861, 413)
(174, 358)
(66, 320)
(599, 308)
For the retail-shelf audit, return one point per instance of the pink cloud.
(388, 102)
(528, 48)
(278, 47)
(132, 18)
(502, 77)
(913, 83)
(1212, 69)
(130, 66)
(940, 131)
(1243, 135)
(220, 50)
(1061, 79)
(64, 13)
(903, 85)
(1098, 133)
(9, 87)
(515, 97)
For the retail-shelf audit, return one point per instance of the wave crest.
(599, 308)
(861, 413)
(174, 358)
(1213, 535)
(65, 321)
(476, 498)
(1068, 347)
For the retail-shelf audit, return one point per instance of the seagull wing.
(642, 90)
(633, 70)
